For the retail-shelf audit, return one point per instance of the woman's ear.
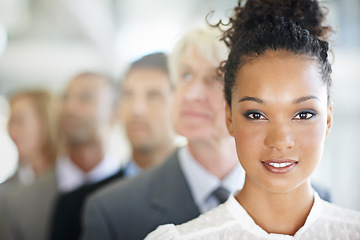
(329, 119)
(229, 123)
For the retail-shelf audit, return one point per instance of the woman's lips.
(279, 166)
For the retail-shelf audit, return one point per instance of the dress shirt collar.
(132, 169)
(239, 213)
(202, 183)
(70, 176)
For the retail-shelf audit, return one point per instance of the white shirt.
(69, 176)
(202, 183)
(230, 221)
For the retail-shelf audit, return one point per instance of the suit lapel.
(171, 197)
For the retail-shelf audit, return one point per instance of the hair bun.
(307, 14)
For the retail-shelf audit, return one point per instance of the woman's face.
(25, 127)
(279, 118)
(199, 105)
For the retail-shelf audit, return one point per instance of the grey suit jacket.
(8, 186)
(130, 209)
(27, 210)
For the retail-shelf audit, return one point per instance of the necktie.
(221, 194)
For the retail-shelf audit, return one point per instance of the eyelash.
(312, 113)
(258, 116)
(253, 113)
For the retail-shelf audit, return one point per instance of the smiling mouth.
(279, 166)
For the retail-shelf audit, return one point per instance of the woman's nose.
(280, 137)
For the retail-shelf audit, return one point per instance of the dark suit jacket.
(131, 209)
(66, 222)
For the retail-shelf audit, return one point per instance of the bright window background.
(49, 41)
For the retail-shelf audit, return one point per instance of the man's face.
(146, 98)
(199, 104)
(87, 109)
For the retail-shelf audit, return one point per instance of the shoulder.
(332, 222)
(216, 220)
(45, 186)
(164, 232)
(118, 191)
(339, 214)
(211, 224)
(87, 189)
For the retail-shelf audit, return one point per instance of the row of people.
(73, 162)
(277, 107)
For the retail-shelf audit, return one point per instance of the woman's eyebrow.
(252, 99)
(304, 99)
(295, 101)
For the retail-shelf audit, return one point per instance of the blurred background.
(44, 43)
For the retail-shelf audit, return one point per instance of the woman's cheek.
(249, 140)
(312, 141)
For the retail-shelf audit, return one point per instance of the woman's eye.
(304, 115)
(255, 116)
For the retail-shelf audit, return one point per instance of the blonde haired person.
(185, 184)
(33, 127)
(205, 41)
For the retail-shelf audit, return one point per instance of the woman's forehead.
(280, 74)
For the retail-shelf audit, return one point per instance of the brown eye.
(305, 115)
(255, 116)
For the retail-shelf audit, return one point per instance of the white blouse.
(230, 221)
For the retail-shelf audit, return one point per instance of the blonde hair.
(204, 39)
(46, 106)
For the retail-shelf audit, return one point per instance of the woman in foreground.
(277, 85)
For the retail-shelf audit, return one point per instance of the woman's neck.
(217, 156)
(281, 213)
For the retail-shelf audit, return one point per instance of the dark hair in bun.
(261, 25)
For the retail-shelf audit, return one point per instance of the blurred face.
(87, 109)
(199, 105)
(145, 104)
(279, 118)
(25, 128)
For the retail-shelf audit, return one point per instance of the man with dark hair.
(144, 108)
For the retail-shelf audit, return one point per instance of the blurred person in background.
(85, 119)
(193, 179)
(144, 108)
(33, 128)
